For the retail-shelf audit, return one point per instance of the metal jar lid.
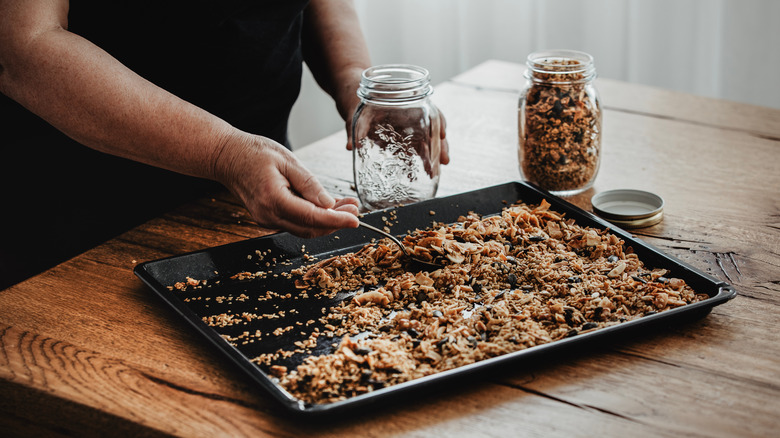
(629, 208)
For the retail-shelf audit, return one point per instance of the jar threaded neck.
(560, 67)
(395, 83)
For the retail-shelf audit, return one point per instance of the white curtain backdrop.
(727, 49)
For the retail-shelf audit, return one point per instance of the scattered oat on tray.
(523, 278)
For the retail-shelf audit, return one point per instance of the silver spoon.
(400, 244)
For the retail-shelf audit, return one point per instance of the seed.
(568, 314)
(512, 280)
(589, 325)
(652, 312)
(477, 287)
(574, 279)
(437, 314)
(537, 238)
(362, 351)
(473, 341)
(612, 258)
(572, 332)
(413, 333)
(443, 341)
(639, 279)
(557, 108)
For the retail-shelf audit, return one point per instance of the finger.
(351, 209)
(443, 131)
(293, 227)
(345, 201)
(345, 217)
(303, 218)
(306, 184)
(349, 205)
(349, 136)
(348, 220)
(444, 158)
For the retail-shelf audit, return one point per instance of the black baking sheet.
(278, 254)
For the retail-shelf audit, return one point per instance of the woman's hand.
(278, 191)
(444, 157)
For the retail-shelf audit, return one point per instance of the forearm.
(335, 50)
(91, 97)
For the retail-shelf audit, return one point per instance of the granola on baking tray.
(525, 277)
(560, 127)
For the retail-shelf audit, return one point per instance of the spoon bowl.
(421, 263)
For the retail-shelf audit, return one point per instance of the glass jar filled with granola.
(395, 137)
(559, 118)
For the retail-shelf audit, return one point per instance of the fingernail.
(325, 200)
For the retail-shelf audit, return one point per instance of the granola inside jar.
(559, 121)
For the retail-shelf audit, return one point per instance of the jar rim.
(396, 83)
(547, 66)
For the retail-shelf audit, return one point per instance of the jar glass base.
(572, 192)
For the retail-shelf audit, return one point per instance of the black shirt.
(240, 60)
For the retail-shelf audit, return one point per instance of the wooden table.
(86, 349)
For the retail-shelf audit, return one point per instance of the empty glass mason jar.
(559, 120)
(395, 137)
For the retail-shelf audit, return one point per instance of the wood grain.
(86, 349)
